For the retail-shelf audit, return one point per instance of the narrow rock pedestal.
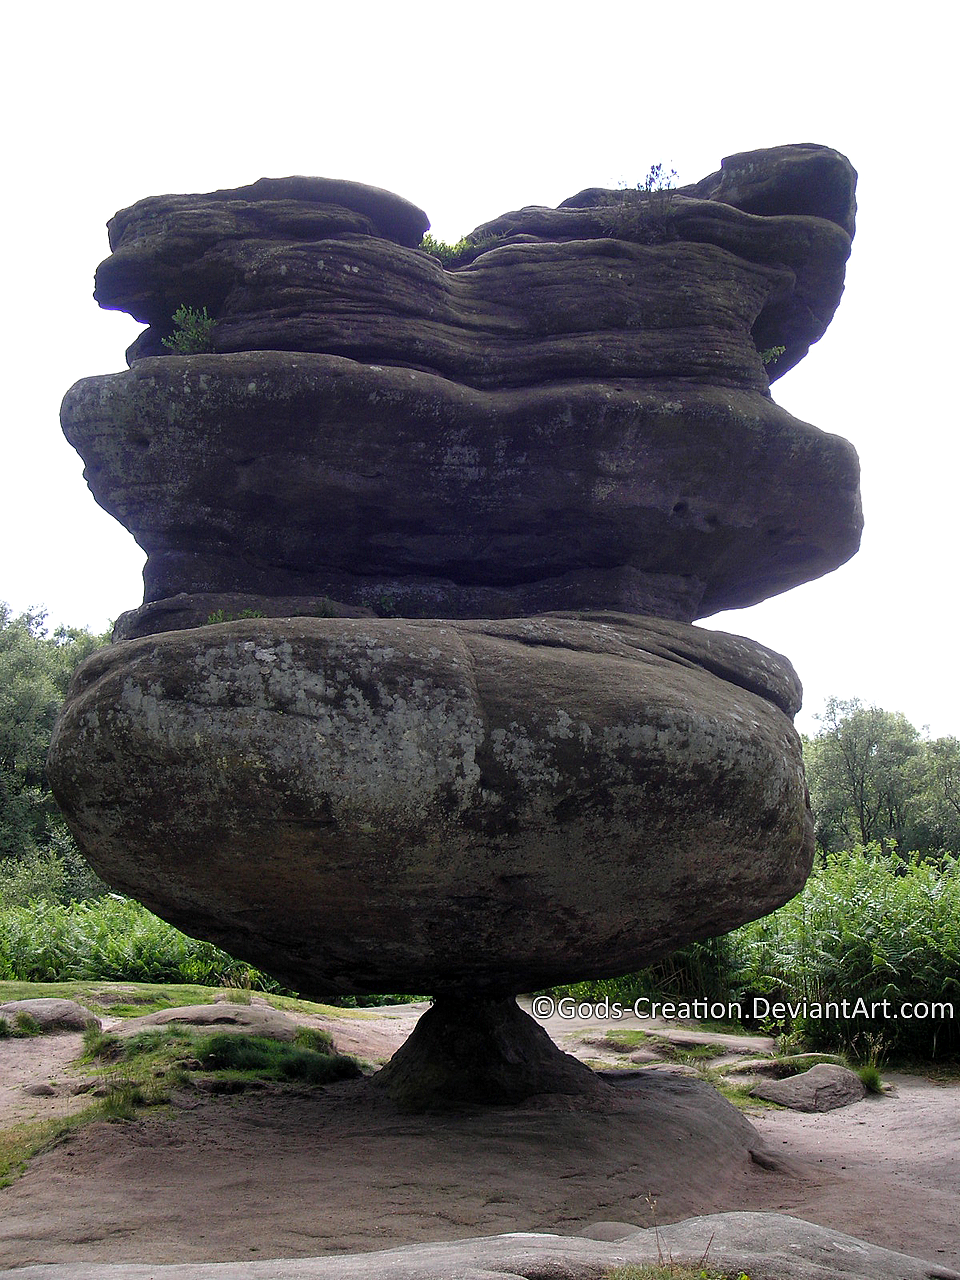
(480, 1050)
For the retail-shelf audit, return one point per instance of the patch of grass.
(24, 1025)
(21, 1142)
(314, 1038)
(103, 1046)
(740, 1095)
(273, 1059)
(626, 1040)
(869, 1073)
(215, 618)
(131, 1000)
(690, 1055)
(622, 1041)
(123, 1098)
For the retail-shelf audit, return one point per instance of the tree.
(35, 671)
(874, 778)
(944, 790)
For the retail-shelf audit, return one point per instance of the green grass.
(171, 1055)
(869, 1073)
(21, 1142)
(276, 1060)
(132, 1000)
(625, 1040)
(140, 1071)
(22, 1026)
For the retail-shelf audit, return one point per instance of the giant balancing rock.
(460, 736)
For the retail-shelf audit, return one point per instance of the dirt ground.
(300, 1172)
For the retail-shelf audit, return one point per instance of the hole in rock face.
(680, 508)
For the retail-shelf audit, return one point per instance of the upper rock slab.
(575, 415)
(170, 249)
(690, 283)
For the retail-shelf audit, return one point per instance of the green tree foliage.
(37, 855)
(875, 779)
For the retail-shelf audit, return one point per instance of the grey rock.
(770, 1246)
(369, 805)
(823, 1088)
(176, 613)
(231, 1019)
(575, 417)
(52, 1013)
(176, 249)
(266, 474)
(473, 1050)
(318, 265)
(778, 1067)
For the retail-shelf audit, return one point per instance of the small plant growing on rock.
(461, 253)
(193, 332)
(216, 618)
(770, 355)
(645, 212)
(24, 1025)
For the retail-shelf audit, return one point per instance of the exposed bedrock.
(361, 805)
(284, 475)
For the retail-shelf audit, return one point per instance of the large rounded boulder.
(361, 805)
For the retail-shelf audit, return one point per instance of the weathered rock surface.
(673, 281)
(475, 1050)
(369, 805)
(770, 1246)
(823, 1088)
(221, 1017)
(170, 250)
(277, 475)
(51, 1013)
(578, 417)
(179, 612)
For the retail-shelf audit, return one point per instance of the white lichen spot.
(562, 727)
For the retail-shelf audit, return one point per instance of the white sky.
(469, 111)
